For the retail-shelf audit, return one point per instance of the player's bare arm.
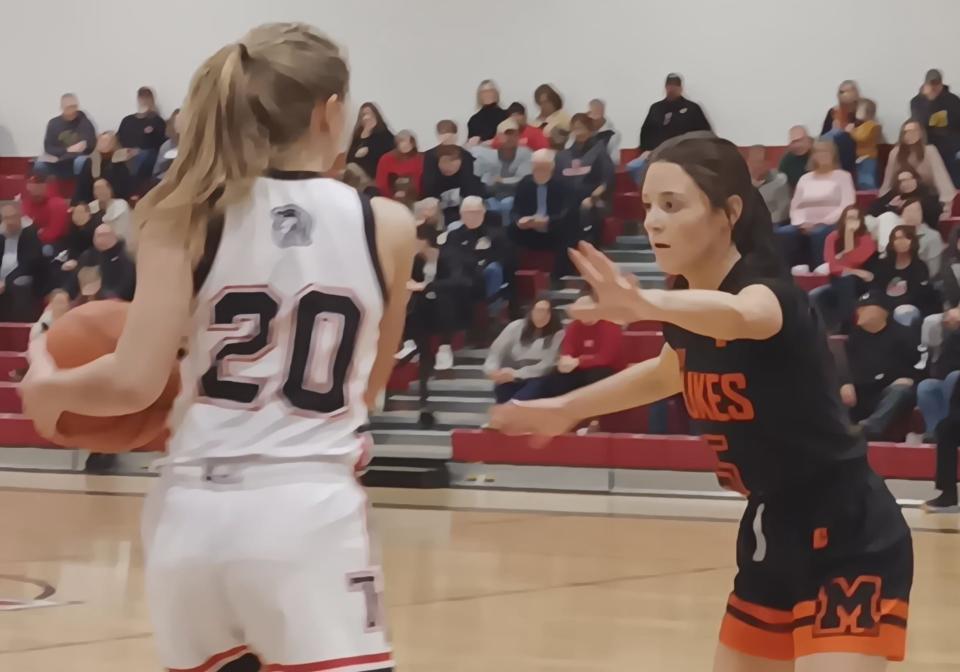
(396, 239)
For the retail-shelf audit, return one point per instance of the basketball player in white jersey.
(291, 291)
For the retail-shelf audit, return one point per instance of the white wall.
(757, 66)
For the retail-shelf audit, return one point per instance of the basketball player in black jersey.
(825, 557)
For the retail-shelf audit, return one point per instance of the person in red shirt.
(591, 351)
(49, 211)
(404, 161)
(530, 136)
(847, 252)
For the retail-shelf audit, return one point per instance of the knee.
(906, 315)
(929, 387)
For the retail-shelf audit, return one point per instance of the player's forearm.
(638, 385)
(715, 314)
(102, 389)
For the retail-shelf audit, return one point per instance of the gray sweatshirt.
(776, 194)
(530, 360)
(489, 166)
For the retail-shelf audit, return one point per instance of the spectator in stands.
(107, 162)
(43, 204)
(530, 136)
(371, 139)
(819, 200)
(881, 354)
(796, 161)
(840, 116)
(590, 352)
(541, 211)
(21, 261)
(558, 139)
(908, 186)
(80, 236)
(454, 181)
(849, 251)
(437, 289)
(605, 131)
(589, 173)
(109, 255)
(523, 353)
(68, 140)
(867, 134)
(938, 110)
(948, 440)
(667, 118)
(772, 185)
(939, 327)
(552, 114)
(116, 212)
(904, 278)
(501, 169)
(142, 134)
(405, 160)
(912, 151)
(447, 131)
(168, 150)
(482, 126)
(427, 211)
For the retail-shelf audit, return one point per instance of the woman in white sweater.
(912, 151)
(524, 352)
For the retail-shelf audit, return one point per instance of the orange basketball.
(81, 336)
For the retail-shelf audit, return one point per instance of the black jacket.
(450, 190)
(379, 143)
(118, 275)
(80, 239)
(116, 173)
(558, 199)
(584, 167)
(146, 132)
(474, 249)
(29, 254)
(876, 360)
(61, 134)
(929, 202)
(941, 117)
(431, 168)
(828, 121)
(670, 118)
(908, 286)
(483, 124)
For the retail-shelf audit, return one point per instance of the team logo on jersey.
(292, 226)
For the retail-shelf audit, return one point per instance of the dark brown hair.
(551, 93)
(381, 124)
(719, 170)
(446, 151)
(842, 227)
(913, 173)
(446, 126)
(530, 331)
(582, 118)
(911, 233)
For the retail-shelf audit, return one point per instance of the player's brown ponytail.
(720, 171)
(248, 101)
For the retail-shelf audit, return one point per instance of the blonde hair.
(246, 102)
(484, 84)
(828, 145)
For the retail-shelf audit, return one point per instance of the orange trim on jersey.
(752, 641)
(766, 614)
(327, 665)
(889, 642)
(215, 661)
(821, 538)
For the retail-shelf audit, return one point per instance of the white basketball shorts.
(266, 558)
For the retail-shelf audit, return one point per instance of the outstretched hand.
(616, 296)
(541, 419)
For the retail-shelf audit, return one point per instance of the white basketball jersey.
(285, 329)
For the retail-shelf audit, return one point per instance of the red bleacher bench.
(14, 336)
(531, 283)
(865, 199)
(947, 225)
(612, 229)
(537, 260)
(628, 206)
(810, 281)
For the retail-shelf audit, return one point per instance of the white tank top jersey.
(285, 329)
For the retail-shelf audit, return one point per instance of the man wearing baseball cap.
(667, 118)
(881, 354)
(938, 109)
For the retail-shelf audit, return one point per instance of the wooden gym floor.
(476, 581)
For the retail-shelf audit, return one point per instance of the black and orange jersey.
(770, 408)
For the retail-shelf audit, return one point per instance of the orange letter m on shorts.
(849, 609)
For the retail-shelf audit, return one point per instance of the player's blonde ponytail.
(247, 102)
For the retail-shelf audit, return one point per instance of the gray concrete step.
(632, 243)
(473, 371)
(630, 256)
(457, 404)
(411, 437)
(408, 420)
(465, 387)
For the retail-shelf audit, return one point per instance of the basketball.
(81, 336)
